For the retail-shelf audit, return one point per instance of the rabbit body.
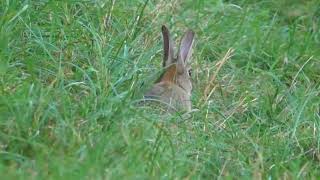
(174, 86)
(171, 94)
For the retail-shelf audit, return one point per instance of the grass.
(70, 73)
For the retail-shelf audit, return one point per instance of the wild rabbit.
(174, 86)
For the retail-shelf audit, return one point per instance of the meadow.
(71, 73)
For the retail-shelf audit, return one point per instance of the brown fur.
(169, 75)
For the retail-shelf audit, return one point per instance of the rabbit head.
(174, 86)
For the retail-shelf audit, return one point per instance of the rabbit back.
(171, 95)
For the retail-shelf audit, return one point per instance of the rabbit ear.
(168, 47)
(186, 46)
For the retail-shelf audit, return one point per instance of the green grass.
(69, 80)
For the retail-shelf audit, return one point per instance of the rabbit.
(174, 86)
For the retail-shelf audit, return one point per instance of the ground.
(71, 74)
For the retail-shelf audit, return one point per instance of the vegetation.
(72, 71)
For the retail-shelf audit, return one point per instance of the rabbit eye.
(190, 72)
